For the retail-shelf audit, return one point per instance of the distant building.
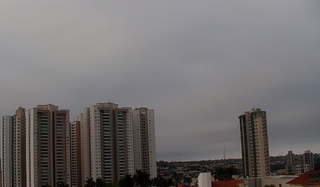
(204, 180)
(308, 160)
(8, 150)
(48, 146)
(290, 169)
(0, 172)
(299, 166)
(75, 147)
(103, 142)
(254, 143)
(14, 149)
(144, 141)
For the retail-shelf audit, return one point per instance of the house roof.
(309, 177)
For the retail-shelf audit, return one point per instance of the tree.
(142, 178)
(115, 184)
(170, 182)
(62, 184)
(160, 182)
(90, 182)
(187, 180)
(101, 183)
(269, 185)
(127, 181)
(222, 173)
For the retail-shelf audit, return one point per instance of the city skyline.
(41, 146)
(197, 64)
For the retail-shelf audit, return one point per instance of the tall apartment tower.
(0, 171)
(8, 150)
(14, 149)
(75, 145)
(254, 143)
(48, 146)
(20, 148)
(308, 160)
(290, 168)
(104, 137)
(144, 140)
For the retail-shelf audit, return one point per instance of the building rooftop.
(309, 177)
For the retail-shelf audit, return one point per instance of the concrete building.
(20, 148)
(278, 181)
(75, 146)
(14, 149)
(104, 136)
(8, 149)
(254, 143)
(290, 163)
(0, 171)
(144, 140)
(308, 160)
(204, 180)
(48, 146)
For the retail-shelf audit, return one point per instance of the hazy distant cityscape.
(109, 145)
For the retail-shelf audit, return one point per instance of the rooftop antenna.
(224, 153)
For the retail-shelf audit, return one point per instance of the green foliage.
(160, 182)
(115, 184)
(142, 179)
(187, 180)
(223, 174)
(269, 185)
(127, 181)
(90, 182)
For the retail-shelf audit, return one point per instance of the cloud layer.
(198, 64)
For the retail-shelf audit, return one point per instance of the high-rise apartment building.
(8, 149)
(14, 149)
(48, 146)
(290, 168)
(103, 127)
(0, 171)
(254, 143)
(308, 160)
(20, 148)
(75, 146)
(144, 140)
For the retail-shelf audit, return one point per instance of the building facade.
(48, 146)
(308, 160)
(104, 131)
(14, 149)
(8, 150)
(144, 140)
(75, 148)
(290, 168)
(254, 143)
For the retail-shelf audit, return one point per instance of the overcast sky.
(198, 64)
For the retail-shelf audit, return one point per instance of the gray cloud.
(198, 64)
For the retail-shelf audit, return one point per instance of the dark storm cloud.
(198, 64)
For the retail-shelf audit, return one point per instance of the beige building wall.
(144, 140)
(254, 143)
(103, 137)
(20, 148)
(75, 146)
(85, 145)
